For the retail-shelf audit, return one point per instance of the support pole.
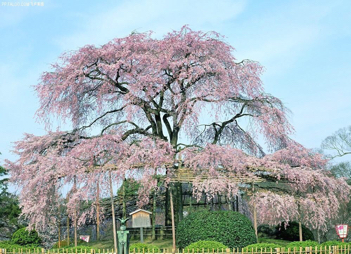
(141, 235)
(75, 215)
(254, 213)
(67, 229)
(75, 229)
(173, 228)
(59, 234)
(124, 203)
(154, 206)
(98, 211)
(237, 203)
(113, 214)
(255, 222)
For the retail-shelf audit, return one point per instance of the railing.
(307, 250)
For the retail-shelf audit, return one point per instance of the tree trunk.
(98, 211)
(113, 214)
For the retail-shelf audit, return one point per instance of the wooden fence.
(309, 250)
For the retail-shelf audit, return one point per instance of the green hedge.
(265, 231)
(80, 249)
(303, 244)
(9, 246)
(334, 243)
(230, 228)
(140, 247)
(259, 246)
(207, 246)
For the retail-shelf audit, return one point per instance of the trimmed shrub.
(230, 228)
(208, 246)
(23, 237)
(291, 232)
(259, 246)
(303, 244)
(333, 243)
(139, 247)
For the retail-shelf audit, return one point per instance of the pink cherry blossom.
(132, 103)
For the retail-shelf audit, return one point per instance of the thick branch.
(102, 116)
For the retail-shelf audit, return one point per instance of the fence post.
(277, 250)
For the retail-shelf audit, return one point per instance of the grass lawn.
(108, 244)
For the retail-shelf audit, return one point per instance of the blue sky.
(304, 46)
